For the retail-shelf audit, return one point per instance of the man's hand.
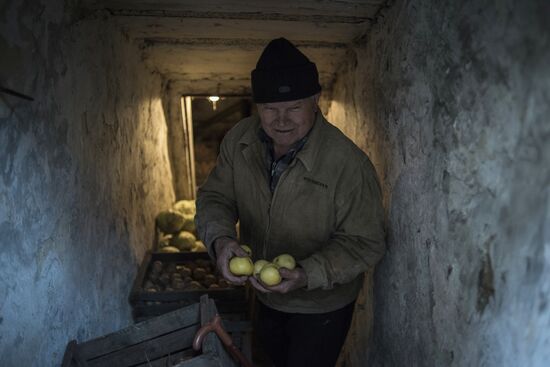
(292, 279)
(226, 248)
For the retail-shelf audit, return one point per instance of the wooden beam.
(192, 28)
(314, 18)
(329, 8)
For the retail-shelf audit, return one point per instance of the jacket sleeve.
(216, 207)
(358, 242)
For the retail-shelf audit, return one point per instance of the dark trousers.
(303, 340)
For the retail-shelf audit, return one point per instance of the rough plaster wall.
(451, 100)
(83, 170)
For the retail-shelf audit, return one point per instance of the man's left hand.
(292, 279)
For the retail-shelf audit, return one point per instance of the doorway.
(212, 118)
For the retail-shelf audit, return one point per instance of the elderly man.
(298, 186)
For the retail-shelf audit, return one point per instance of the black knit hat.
(283, 73)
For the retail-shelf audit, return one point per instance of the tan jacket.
(326, 211)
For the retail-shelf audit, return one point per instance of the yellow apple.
(270, 275)
(241, 266)
(285, 261)
(258, 265)
(247, 249)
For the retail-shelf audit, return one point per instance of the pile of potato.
(177, 227)
(189, 275)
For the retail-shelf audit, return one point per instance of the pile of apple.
(267, 272)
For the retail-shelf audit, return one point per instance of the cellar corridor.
(105, 121)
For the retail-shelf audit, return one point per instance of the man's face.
(288, 122)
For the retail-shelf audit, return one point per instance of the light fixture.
(216, 98)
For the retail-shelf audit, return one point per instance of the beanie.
(283, 73)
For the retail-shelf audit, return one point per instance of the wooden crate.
(161, 342)
(231, 302)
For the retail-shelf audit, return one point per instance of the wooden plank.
(169, 360)
(149, 350)
(215, 346)
(142, 27)
(194, 57)
(191, 296)
(140, 332)
(351, 8)
(204, 360)
(206, 315)
(68, 356)
(236, 309)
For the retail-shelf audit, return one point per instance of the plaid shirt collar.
(276, 167)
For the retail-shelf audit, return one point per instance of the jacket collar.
(309, 152)
(254, 152)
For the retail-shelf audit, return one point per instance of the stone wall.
(451, 100)
(83, 170)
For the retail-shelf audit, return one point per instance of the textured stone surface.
(451, 101)
(83, 170)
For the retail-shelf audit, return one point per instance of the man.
(299, 186)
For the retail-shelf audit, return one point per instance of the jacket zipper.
(266, 236)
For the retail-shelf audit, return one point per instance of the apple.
(241, 266)
(269, 275)
(285, 261)
(258, 265)
(247, 249)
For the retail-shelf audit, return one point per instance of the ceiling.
(210, 46)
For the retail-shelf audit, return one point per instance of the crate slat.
(140, 332)
(169, 360)
(203, 360)
(149, 350)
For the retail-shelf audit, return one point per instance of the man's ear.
(316, 102)
(316, 97)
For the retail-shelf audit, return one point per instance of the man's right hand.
(226, 248)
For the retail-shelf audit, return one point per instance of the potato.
(170, 267)
(170, 221)
(164, 278)
(199, 247)
(194, 285)
(185, 271)
(199, 274)
(164, 240)
(185, 207)
(169, 250)
(177, 284)
(184, 241)
(189, 223)
(223, 283)
(156, 267)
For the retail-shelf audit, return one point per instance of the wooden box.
(162, 341)
(232, 301)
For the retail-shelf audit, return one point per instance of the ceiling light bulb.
(213, 98)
